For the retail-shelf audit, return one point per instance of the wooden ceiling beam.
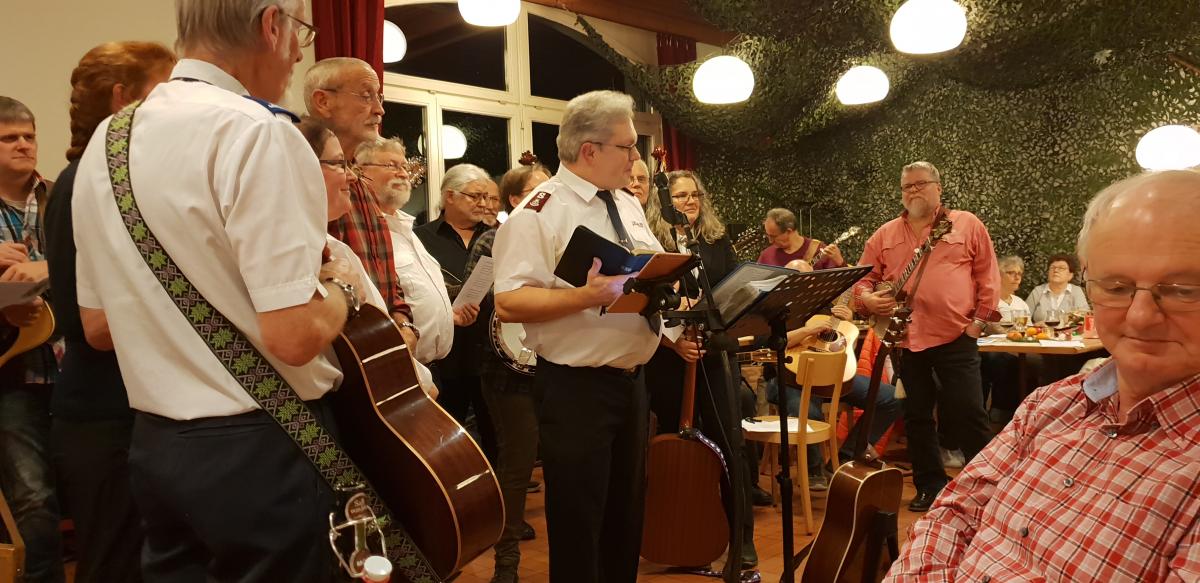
(669, 16)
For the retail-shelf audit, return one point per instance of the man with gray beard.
(384, 166)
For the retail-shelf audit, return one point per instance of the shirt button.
(1024, 532)
(1068, 482)
(1111, 433)
(986, 579)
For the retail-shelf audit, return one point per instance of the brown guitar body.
(686, 484)
(859, 490)
(685, 523)
(424, 465)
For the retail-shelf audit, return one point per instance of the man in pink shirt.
(956, 299)
(1096, 478)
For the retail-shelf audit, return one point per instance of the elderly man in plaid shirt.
(1097, 478)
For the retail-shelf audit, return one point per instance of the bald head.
(1149, 200)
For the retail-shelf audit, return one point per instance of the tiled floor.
(768, 537)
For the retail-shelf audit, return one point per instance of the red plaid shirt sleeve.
(366, 233)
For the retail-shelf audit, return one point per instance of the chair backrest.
(820, 369)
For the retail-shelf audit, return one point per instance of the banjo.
(508, 344)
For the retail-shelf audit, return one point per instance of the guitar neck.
(864, 422)
(688, 401)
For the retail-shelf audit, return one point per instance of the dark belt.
(611, 370)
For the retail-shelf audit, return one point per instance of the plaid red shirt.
(366, 233)
(1066, 493)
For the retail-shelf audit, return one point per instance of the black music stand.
(787, 305)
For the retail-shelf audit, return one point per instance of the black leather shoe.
(527, 532)
(923, 500)
(761, 497)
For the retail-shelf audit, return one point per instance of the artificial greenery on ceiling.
(1039, 108)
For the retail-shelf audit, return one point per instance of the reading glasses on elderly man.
(1170, 297)
(474, 197)
(919, 185)
(630, 151)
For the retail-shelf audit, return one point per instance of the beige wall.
(42, 41)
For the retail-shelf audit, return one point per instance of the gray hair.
(13, 111)
(326, 72)
(785, 219)
(926, 166)
(368, 149)
(456, 179)
(223, 25)
(590, 117)
(1010, 261)
(1109, 199)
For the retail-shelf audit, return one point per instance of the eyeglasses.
(368, 97)
(685, 196)
(630, 151)
(915, 186)
(1014, 273)
(392, 167)
(1170, 297)
(475, 197)
(309, 32)
(339, 165)
(1059, 268)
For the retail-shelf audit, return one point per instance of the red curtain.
(350, 28)
(677, 50)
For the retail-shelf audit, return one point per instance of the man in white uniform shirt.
(235, 196)
(383, 163)
(594, 414)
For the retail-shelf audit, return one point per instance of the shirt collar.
(400, 218)
(209, 73)
(1176, 408)
(1066, 290)
(586, 190)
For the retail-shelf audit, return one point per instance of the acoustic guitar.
(864, 487)
(824, 251)
(686, 482)
(17, 340)
(424, 465)
(841, 338)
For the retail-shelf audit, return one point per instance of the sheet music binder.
(749, 296)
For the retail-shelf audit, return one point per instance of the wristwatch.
(352, 303)
(979, 322)
(416, 331)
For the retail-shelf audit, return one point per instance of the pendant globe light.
(454, 143)
(723, 79)
(489, 12)
(862, 84)
(1170, 147)
(924, 27)
(395, 45)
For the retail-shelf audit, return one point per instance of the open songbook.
(745, 285)
(585, 245)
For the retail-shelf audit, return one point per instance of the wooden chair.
(823, 371)
(12, 547)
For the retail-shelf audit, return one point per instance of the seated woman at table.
(999, 370)
(1058, 296)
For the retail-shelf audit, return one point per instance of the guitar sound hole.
(828, 336)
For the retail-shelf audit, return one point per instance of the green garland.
(1041, 107)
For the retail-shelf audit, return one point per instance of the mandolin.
(941, 227)
(426, 468)
(823, 251)
(686, 482)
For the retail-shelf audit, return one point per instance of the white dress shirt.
(236, 198)
(420, 277)
(528, 246)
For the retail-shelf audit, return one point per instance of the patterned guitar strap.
(243, 360)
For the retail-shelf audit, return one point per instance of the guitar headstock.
(528, 158)
(898, 325)
(661, 156)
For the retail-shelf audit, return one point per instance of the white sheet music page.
(477, 285)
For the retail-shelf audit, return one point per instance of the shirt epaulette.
(538, 201)
(275, 109)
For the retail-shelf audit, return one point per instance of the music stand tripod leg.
(778, 341)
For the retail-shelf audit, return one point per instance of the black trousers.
(229, 499)
(593, 435)
(91, 458)
(959, 403)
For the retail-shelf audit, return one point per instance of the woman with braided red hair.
(92, 422)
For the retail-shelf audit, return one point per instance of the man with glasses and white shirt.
(1095, 479)
(385, 166)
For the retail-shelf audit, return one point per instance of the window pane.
(444, 47)
(487, 141)
(562, 66)
(545, 146)
(407, 122)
